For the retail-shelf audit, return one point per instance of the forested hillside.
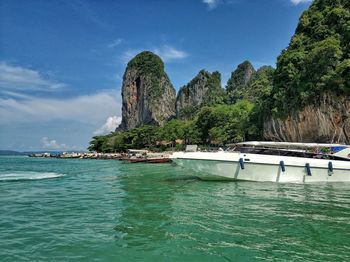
(310, 99)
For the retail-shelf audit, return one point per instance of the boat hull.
(264, 168)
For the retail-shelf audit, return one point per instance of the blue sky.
(62, 62)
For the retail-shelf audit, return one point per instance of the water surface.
(96, 210)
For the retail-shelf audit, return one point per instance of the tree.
(171, 131)
(145, 136)
(224, 123)
(100, 144)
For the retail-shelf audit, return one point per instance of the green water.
(91, 210)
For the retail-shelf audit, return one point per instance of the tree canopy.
(316, 60)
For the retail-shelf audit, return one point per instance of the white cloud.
(211, 3)
(20, 78)
(169, 53)
(110, 125)
(296, 2)
(166, 52)
(52, 144)
(21, 107)
(115, 43)
(84, 109)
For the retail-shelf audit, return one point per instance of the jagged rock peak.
(241, 76)
(147, 93)
(203, 88)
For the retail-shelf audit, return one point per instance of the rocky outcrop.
(204, 88)
(147, 93)
(239, 80)
(241, 76)
(329, 121)
(311, 94)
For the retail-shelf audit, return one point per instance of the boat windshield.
(310, 153)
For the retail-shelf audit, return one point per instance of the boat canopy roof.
(288, 145)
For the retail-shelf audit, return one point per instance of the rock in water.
(205, 88)
(147, 93)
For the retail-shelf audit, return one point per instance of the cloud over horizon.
(110, 125)
(19, 105)
(52, 144)
(85, 108)
(21, 78)
(25, 102)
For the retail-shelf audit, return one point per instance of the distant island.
(305, 99)
(10, 153)
(27, 153)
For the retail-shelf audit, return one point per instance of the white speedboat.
(270, 161)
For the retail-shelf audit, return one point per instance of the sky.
(62, 62)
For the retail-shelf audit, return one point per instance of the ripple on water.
(28, 175)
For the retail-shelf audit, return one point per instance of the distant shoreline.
(134, 156)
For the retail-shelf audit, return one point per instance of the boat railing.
(290, 152)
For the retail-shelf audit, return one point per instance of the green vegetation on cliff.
(147, 63)
(215, 94)
(261, 84)
(237, 84)
(246, 83)
(316, 60)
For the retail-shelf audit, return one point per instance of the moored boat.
(270, 161)
(158, 160)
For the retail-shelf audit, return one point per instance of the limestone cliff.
(239, 80)
(204, 88)
(147, 93)
(329, 121)
(310, 99)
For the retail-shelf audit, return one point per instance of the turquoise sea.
(97, 210)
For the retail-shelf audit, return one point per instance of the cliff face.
(329, 121)
(311, 87)
(260, 85)
(147, 93)
(204, 88)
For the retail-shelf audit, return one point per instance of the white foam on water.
(28, 175)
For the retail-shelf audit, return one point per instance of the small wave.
(28, 175)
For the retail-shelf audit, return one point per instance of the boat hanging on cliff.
(271, 161)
